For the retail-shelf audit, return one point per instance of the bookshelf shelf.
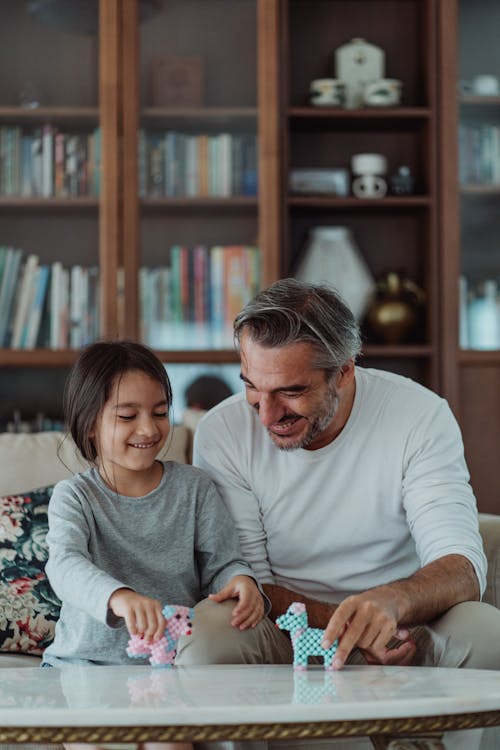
(479, 358)
(390, 202)
(372, 113)
(199, 356)
(218, 204)
(48, 204)
(407, 351)
(65, 358)
(471, 189)
(23, 115)
(476, 100)
(37, 358)
(199, 115)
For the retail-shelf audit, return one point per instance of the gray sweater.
(177, 544)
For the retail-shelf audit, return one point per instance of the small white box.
(327, 181)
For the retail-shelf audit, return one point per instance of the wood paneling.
(480, 421)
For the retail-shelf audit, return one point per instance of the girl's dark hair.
(91, 380)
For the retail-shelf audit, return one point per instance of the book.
(55, 300)
(192, 176)
(7, 293)
(47, 161)
(76, 307)
(225, 168)
(24, 297)
(26, 166)
(217, 295)
(34, 317)
(59, 165)
(37, 163)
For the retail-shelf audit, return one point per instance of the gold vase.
(395, 313)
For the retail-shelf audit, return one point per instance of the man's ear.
(345, 376)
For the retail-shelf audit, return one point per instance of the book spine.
(24, 295)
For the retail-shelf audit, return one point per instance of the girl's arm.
(74, 577)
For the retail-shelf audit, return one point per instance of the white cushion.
(29, 461)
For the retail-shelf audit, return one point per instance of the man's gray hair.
(292, 311)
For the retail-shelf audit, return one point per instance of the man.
(350, 491)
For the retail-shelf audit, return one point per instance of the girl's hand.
(250, 608)
(143, 616)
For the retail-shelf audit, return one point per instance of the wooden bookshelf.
(258, 82)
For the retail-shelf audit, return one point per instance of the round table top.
(138, 703)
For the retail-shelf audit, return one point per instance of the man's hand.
(250, 608)
(143, 616)
(369, 621)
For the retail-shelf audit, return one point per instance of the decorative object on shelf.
(479, 315)
(29, 97)
(306, 641)
(331, 255)
(356, 63)
(322, 180)
(162, 652)
(394, 315)
(327, 92)
(386, 92)
(481, 85)
(369, 183)
(402, 182)
(176, 81)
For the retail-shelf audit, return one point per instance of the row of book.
(174, 164)
(479, 154)
(45, 162)
(46, 305)
(188, 303)
(192, 300)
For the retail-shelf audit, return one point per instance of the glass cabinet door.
(50, 185)
(479, 174)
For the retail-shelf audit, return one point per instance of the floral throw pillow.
(28, 606)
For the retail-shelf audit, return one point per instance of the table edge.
(251, 731)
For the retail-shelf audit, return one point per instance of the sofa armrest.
(489, 526)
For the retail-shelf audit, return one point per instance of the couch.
(33, 461)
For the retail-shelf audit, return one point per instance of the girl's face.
(131, 428)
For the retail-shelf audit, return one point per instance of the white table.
(139, 703)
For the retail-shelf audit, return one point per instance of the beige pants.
(465, 636)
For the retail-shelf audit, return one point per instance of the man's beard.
(318, 424)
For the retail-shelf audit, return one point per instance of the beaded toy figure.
(162, 652)
(306, 641)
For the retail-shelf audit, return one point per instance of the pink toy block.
(162, 652)
(306, 641)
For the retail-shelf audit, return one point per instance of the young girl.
(131, 533)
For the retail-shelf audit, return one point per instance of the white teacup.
(327, 92)
(384, 92)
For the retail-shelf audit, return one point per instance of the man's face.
(298, 405)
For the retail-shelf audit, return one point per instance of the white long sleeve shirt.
(389, 495)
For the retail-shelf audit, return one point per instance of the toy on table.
(306, 641)
(162, 652)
